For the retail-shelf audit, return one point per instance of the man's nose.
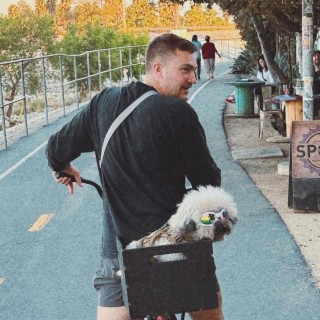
(193, 78)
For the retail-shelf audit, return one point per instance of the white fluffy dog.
(208, 213)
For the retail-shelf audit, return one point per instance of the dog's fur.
(186, 224)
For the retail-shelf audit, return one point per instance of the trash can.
(244, 96)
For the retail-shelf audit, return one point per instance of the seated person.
(264, 74)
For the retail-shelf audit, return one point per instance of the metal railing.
(37, 91)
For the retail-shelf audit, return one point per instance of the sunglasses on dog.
(210, 217)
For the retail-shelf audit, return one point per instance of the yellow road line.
(41, 222)
(1, 280)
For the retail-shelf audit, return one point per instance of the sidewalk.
(261, 270)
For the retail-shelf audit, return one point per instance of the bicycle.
(164, 290)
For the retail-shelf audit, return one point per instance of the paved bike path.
(48, 274)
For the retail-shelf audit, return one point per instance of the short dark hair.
(207, 38)
(316, 52)
(167, 44)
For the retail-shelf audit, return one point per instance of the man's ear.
(157, 67)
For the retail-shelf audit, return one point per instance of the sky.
(4, 4)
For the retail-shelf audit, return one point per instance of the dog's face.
(207, 213)
(214, 225)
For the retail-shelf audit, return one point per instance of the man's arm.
(215, 49)
(68, 144)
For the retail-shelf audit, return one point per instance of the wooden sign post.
(304, 168)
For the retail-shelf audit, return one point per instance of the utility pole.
(307, 51)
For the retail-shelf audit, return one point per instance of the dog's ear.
(191, 226)
(185, 228)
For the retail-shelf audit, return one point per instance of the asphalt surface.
(48, 274)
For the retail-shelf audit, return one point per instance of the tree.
(112, 13)
(23, 36)
(20, 8)
(41, 7)
(63, 16)
(169, 14)
(51, 6)
(79, 39)
(200, 15)
(267, 20)
(141, 14)
(261, 23)
(87, 12)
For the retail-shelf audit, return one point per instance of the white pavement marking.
(195, 94)
(19, 163)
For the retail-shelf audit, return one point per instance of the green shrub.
(244, 63)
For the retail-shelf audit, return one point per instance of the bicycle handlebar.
(83, 180)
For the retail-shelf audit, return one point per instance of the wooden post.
(294, 111)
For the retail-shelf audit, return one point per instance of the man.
(209, 51)
(316, 82)
(146, 161)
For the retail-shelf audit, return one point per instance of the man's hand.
(67, 181)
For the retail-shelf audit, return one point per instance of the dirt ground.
(242, 133)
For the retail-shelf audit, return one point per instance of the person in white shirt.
(264, 74)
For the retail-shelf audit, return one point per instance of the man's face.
(176, 75)
(316, 60)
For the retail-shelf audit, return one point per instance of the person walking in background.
(264, 74)
(144, 166)
(209, 51)
(198, 44)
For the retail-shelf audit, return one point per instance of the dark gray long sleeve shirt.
(146, 162)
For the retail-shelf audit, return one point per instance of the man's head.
(170, 65)
(207, 38)
(316, 60)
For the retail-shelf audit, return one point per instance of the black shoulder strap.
(122, 116)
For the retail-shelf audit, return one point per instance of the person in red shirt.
(209, 51)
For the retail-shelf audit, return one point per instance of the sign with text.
(304, 178)
(305, 147)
